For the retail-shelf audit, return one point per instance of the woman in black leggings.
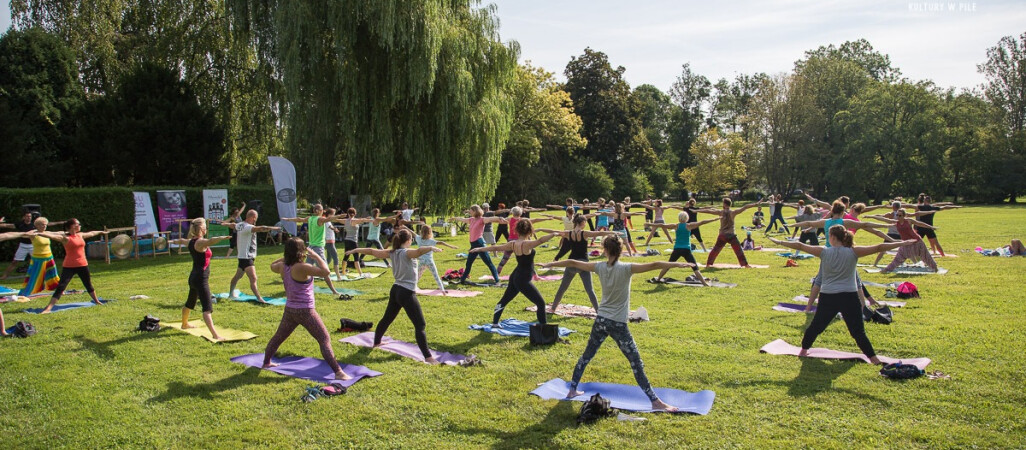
(403, 295)
(520, 279)
(839, 292)
(501, 229)
(199, 277)
(75, 262)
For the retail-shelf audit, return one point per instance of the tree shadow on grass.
(103, 349)
(207, 391)
(539, 435)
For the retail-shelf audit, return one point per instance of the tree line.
(422, 101)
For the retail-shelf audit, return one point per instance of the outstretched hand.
(436, 249)
(475, 250)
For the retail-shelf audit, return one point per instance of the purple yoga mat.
(311, 369)
(402, 348)
(781, 347)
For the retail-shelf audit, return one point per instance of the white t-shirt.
(407, 214)
(329, 232)
(246, 240)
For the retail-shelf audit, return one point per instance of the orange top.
(74, 249)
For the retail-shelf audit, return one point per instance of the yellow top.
(41, 247)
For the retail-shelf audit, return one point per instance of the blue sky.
(938, 40)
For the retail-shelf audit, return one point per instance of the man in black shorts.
(246, 232)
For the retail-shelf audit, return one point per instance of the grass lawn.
(88, 380)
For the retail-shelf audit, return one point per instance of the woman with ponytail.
(403, 295)
(520, 279)
(199, 278)
(839, 292)
(615, 277)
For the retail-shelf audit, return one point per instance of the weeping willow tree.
(399, 99)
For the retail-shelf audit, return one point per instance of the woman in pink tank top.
(297, 276)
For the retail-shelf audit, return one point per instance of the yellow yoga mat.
(200, 329)
(353, 276)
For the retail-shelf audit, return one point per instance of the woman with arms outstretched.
(520, 279)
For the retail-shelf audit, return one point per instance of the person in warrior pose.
(426, 238)
(476, 223)
(315, 232)
(615, 276)
(682, 246)
(199, 278)
(520, 279)
(75, 262)
(246, 238)
(577, 240)
(727, 236)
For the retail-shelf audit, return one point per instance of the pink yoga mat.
(540, 278)
(402, 348)
(450, 293)
(781, 347)
(893, 304)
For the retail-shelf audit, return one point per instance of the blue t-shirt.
(829, 223)
(602, 220)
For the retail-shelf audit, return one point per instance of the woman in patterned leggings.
(615, 277)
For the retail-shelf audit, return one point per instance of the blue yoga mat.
(514, 327)
(795, 255)
(240, 297)
(629, 397)
(4, 290)
(66, 306)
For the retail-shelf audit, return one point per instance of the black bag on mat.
(149, 323)
(544, 334)
(882, 315)
(594, 409)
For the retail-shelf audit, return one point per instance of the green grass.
(87, 380)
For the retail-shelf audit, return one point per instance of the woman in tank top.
(682, 245)
(577, 241)
(520, 279)
(199, 278)
(403, 295)
(297, 277)
(75, 262)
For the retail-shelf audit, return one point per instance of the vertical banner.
(215, 204)
(215, 210)
(284, 175)
(144, 220)
(170, 208)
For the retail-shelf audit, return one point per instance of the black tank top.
(525, 265)
(200, 260)
(578, 248)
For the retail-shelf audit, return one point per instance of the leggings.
(564, 248)
(375, 243)
(917, 251)
(501, 230)
(67, 273)
(350, 245)
(618, 331)
(521, 284)
(430, 264)
(722, 240)
(568, 276)
(504, 260)
(309, 319)
(199, 287)
(696, 235)
(809, 237)
(332, 253)
(777, 215)
(484, 257)
(402, 298)
(848, 304)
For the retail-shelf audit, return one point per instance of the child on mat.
(297, 276)
(749, 244)
(426, 238)
(758, 219)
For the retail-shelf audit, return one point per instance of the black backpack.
(899, 371)
(352, 325)
(882, 315)
(544, 334)
(149, 323)
(24, 329)
(594, 409)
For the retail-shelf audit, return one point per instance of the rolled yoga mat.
(401, 348)
(200, 329)
(67, 306)
(629, 397)
(449, 293)
(540, 277)
(514, 327)
(311, 369)
(240, 297)
(781, 347)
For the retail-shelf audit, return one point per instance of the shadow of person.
(207, 391)
(538, 435)
(103, 349)
(816, 375)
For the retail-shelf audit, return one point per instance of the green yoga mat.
(240, 297)
(324, 290)
(351, 277)
(200, 329)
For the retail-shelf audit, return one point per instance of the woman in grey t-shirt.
(839, 291)
(615, 277)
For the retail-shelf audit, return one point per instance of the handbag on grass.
(544, 334)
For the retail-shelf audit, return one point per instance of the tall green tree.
(692, 93)
(719, 163)
(39, 92)
(612, 120)
(1005, 70)
(396, 99)
(657, 109)
(540, 160)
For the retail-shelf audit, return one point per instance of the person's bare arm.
(507, 247)
(203, 243)
(693, 225)
(579, 265)
(659, 265)
(92, 234)
(10, 236)
(278, 265)
(380, 254)
(448, 245)
(817, 201)
(865, 250)
(418, 252)
(921, 224)
(814, 250)
(591, 234)
(318, 269)
(59, 237)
